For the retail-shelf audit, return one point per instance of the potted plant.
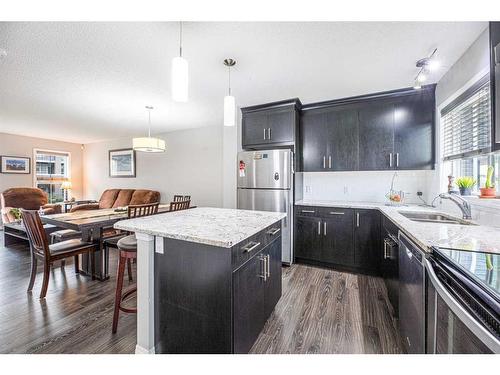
(465, 185)
(488, 191)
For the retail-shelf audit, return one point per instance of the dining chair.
(179, 205)
(49, 253)
(178, 198)
(127, 247)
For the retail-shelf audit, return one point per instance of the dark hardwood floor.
(321, 311)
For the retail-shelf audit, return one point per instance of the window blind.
(466, 123)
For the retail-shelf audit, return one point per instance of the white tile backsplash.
(365, 186)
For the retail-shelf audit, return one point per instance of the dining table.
(93, 224)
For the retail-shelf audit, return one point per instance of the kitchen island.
(207, 278)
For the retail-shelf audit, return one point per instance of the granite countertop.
(479, 238)
(211, 226)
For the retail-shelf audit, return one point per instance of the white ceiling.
(84, 82)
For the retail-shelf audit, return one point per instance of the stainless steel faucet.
(460, 202)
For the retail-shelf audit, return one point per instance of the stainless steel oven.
(462, 313)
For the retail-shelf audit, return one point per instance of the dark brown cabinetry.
(338, 237)
(270, 125)
(495, 82)
(385, 131)
(210, 299)
(389, 266)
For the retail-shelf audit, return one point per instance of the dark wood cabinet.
(494, 29)
(376, 136)
(273, 124)
(313, 139)
(342, 137)
(414, 132)
(367, 248)
(272, 285)
(384, 131)
(389, 266)
(308, 239)
(337, 246)
(249, 315)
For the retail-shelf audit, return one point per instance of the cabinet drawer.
(332, 212)
(247, 249)
(306, 211)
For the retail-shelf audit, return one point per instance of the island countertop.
(211, 226)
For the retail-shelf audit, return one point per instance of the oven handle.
(470, 322)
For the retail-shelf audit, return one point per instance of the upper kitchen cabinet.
(270, 125)
(495, 82)
(383, 131)
(414, 130)
(376, 136)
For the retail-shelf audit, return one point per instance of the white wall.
(368, 186)
(17, 145)
(191, 165)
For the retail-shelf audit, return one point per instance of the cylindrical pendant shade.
(229, 111)
(148, 144)
(180, 79)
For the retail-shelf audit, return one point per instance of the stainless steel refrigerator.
(265, 183)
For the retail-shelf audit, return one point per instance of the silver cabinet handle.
(273, 231)
(308, 211)
(330, 162)
(390, 159)
(397, 159)
(319, 227)
(265, 133)
(357, 219)
(324, 162)
(336, 213)
(268, 265)
(386, 249)
(324, 228)
(269, 133)
(263, 260)
(250, 246)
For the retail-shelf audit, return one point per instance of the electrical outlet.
(419, 193)
(308, 189)
(346, 190)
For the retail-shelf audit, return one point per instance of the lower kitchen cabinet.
(389, 266)
(256, 290)
(338, 237)
(367, 239)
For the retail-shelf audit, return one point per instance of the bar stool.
(127, 247)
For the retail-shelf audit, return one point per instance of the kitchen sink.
(432, 217)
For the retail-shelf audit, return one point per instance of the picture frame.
(15, 164)
(121, 163)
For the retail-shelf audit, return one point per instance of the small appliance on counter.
(463, 301)
(265, 183)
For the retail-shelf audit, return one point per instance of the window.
(52, 168)
(466, 135)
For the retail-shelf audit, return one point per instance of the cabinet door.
(253, 128)
(367, 250)
(342, 130)
(313, 139)
(414, 131)
(281, 124)
(248, 303)
(337, 231)
(272, 290)
(376, 136)
(307, 238)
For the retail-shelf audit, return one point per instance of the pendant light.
(229, 101)
(180, 74)
(148, 144)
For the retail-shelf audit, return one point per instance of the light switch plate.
(159, 245)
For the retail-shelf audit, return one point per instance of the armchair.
(26, 198)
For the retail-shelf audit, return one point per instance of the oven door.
(450, 327)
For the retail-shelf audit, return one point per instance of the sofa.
(27, 198)
(112, 198)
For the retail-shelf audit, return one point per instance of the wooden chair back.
(178, 198)
(36, 233)
(139, 210)
(180, 205)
